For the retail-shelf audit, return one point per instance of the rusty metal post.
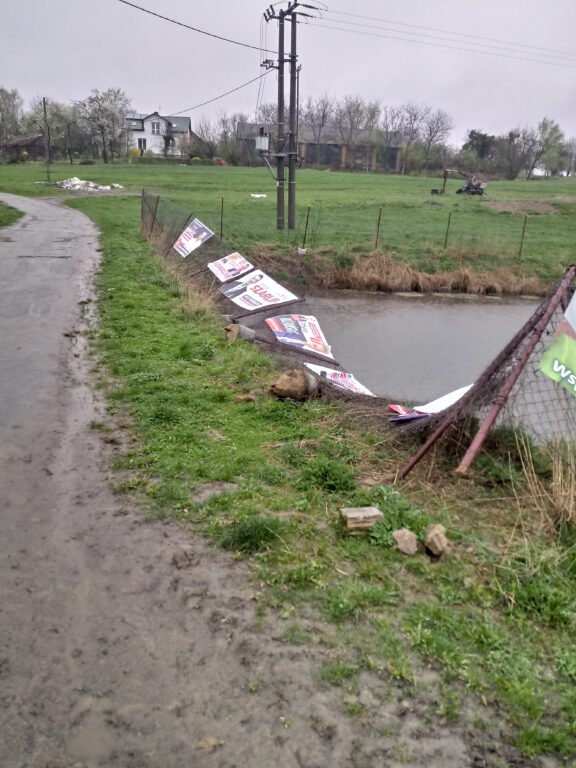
(378, 228)
(447, 230)
(502, 396)
(153, 219)
(306, 227)
(522, 239)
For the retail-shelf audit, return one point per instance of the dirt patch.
(523, 208)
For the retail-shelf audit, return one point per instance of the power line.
(203, 104)
(441, 45)
(494, 48)
(456, 34)
(194, 29)
(450, 40)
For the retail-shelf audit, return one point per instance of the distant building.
(30, 146)
(156, 133)
(366, 151)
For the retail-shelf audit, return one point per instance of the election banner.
(301, 331)
(559, 362)
(255, 291)
(340, 379)
(193, 236)
(230, 267)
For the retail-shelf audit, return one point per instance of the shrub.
(252, 534)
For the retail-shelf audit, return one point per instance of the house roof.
(178, 123)
(22, 141)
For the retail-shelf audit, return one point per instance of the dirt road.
(129, 644)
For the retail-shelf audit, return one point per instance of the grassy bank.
(484, 236)
(492, 622)
(8, 215)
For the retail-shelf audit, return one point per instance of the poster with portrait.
(230, 267)
(192, 237)
(340, 379)
(255, 291)
(301, 331)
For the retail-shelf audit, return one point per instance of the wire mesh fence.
(512, 392)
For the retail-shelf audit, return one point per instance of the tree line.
(96, 127)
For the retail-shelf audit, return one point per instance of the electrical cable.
(457, 34)
(194, 29)
(440, 45)
(449, 40)
(221, 96)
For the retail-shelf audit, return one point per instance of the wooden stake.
(447, 230)
(378, 228)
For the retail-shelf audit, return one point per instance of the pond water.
(416, 348)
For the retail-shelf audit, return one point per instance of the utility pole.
(47, 147)
(286, 148)
(280, 159)
(292, 145)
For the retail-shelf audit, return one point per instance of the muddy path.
(130, 644)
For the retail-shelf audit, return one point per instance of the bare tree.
(227, 144)
(11, 113)
(413, 116)
(391, 122)
(266, 114)
(436, 129)
(351, 115)
(60, 126)
(105, 113)
(317, 114)
(207, 132)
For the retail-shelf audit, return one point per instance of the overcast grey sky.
(64, 48)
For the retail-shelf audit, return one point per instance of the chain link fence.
(512, 392)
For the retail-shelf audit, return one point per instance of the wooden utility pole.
(47, 147)
(286, 145)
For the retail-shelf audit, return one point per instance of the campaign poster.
(230, 267)
(340, 379)
(301, 331)
(193, 236)
(559, 362)
(255, 291)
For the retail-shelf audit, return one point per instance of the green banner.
(559, 362)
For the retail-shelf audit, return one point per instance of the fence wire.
(534, 405)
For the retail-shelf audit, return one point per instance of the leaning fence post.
(378, 228)
(522, 238)
(154, 218)
(306, 228)
(447, 230)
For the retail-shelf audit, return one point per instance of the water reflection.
(415, 349)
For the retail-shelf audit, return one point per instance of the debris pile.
(82, 185)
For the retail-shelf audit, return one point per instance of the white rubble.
(86, 186)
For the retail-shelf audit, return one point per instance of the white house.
(156, 133)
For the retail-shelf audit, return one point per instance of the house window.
(142, 144)
(156, 128)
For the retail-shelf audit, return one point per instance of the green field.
(493, 620)
(485, 232)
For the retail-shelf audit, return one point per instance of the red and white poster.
(255, 291)
(340, 379)
(193, 236)
(301, 331)
(230, 267)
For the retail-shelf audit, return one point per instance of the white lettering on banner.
(565, 373)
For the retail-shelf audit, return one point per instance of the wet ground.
(130, 644)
